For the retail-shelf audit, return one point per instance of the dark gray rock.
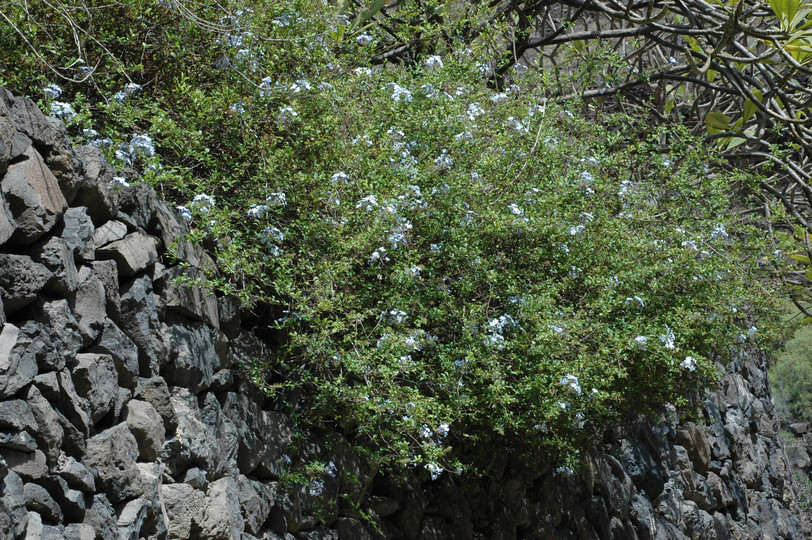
(228, 308)
(139, 202)
(352, 529)
(156, 392)
(221, 518)
(112, 454)
(20, 280)
(196, 478)
(133, 254)
(114, 342)
(139, 320)
(184, 505)
(21, 441)
(12, 506)
(70, 403)
(35, 529)
(77, 231)
(170, 229)
(146, 425)
(37, 499)
(79, 531)
(189, 300)
(109, 232)
(192, 356)
(75, 474)
(95, 379)
(7, 224)
(16, 414)
(29, 465)
(102, 518)
(107, 272)
(18, 366)
(57, 257)
(191, 444)
(89, 305)
(95, 192)
(643, 469)
(55, 333)
(222, 435)
(7, 132)
(256, 500)
(131, 519)
(694, 440)
(50, 433)
(34, 197)
(29, 120)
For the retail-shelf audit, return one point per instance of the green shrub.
(457, 271)
(790, 377)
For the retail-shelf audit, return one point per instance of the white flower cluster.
(668, 338)
(139, 145)
(570, 382)
(203, 203)
(395, 316)
(434, 470)
(433, 62)
(635, 301)
(129, 89)
(62, 110)
(52, 91)
(399, 93)
(496, 328)
(258, 211)
(689, 363)
(184, 213)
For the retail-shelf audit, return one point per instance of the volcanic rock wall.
(126, 411)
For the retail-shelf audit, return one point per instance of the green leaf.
(801, 258)
(717, 122)
(750, 107)
(373, 10)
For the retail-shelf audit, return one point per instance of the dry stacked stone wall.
(125, 411)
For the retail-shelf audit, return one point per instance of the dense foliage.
(452, 267)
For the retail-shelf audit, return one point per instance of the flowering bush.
(455, 270)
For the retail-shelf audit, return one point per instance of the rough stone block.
(20, 280)
(146, 425)
(189, 300)
(30, 466)
(75, 474)
(7, 132)
(221, 518)
(183, 505)
(109, 232)
(139, 320)
(17, 366)
(96, 380)
(95, 191)
(34, 197)
(192, 355)
(112, 454)
(107, 273)
(37, 499)
(156, 392)
(16, 414)
(131, 519)
(50, 433)
(57, 257)
(133, 254)
(89, 305)
(7, 224)
(77, 231)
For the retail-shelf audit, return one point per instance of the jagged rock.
(139, 202)
(112, 453)
(21, 441)
(29, 465)
(196, 478)
(20, 280)
(351, 529)
(191, 444)
(12, 506)
(133, 254)
(70, 501)
(88, 303)
(102, 518)
(256, 500)
(7, 224)
(156, 392)
(7, 132)
(183, 505)
(131, 519)
(75, 474)
(33, 195)
(147, 427)
(50, 433)
(188, 300)
(643, 469)
(95, 192)
(36, 530)
(18, 366)
(111, 231)
(77, 231)
(16, 414)
(222, 434)
(29, 120)
(107, 272)
(221, 517)
(55, 333)
(79, 531)
(694, 440)
(192, 355)
(57, 257)
(114, 342)
(431, 530)
(95, 379)
(139, 320)
(37, 499)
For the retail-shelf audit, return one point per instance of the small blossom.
(379, 255)
(204, 202)
(564, 471)
(443, 161)
(90, 133)
(287, 114)
(641, 341)
(330, 469)
(272, 233)
(442, 430)
(53, 91)
(425, 432)
(571, 383)
(413, 272)
(501, 96)
(516, 125)
(62, 110)
(400, 94)
(429, 90)
(362, 71)
(364, 39)
(316, 488)
(690, 245)
(515, 210)
(184, 213)
(635, 301)
(719, 233)
(576, 229)
(258, 211)
(300, 85)
(395, 316)
(434, 470)
(238, 107)
(580, 420)
(668, 338)
(559, 330)
(277, 199)
(474, 110)
(142, 144)
(563, 405)
(119, 182)
(339, 178)
(433, 62)
(689, 363)
(464, 136)
(368, 203)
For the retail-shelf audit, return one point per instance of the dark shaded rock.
(76, 230)
(114, 342)
(37, 499)
(34, 197)
(7, 132)
(55, 334)
(139, 202)
(131, 519)
(256, 500)
(12, 505)
(29, 120)
(222, 434)
(20, 280)
(228, 308)
(16, 414)
(109, 232)
(643, 469)
(63, 162)
(79, 531)
(57, 257)
(29, 465)
(75, 474)
(7, 224)
(147, 427)
(196, 478)
(35, 529)
(50, 433)
(351, 529)
(133, 254)
(95, 192)
(156, 393)
(102, 518)
(107, 273)
(191, 444)
(112, 453)
(139, 320)
(188, 300)
(192, 355)
(21, 441)
(18, 366)
(183, 505)
(694, 440)
(70, 403)
(95, 379)
(89, 305)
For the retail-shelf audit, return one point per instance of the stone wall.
(126, 413)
